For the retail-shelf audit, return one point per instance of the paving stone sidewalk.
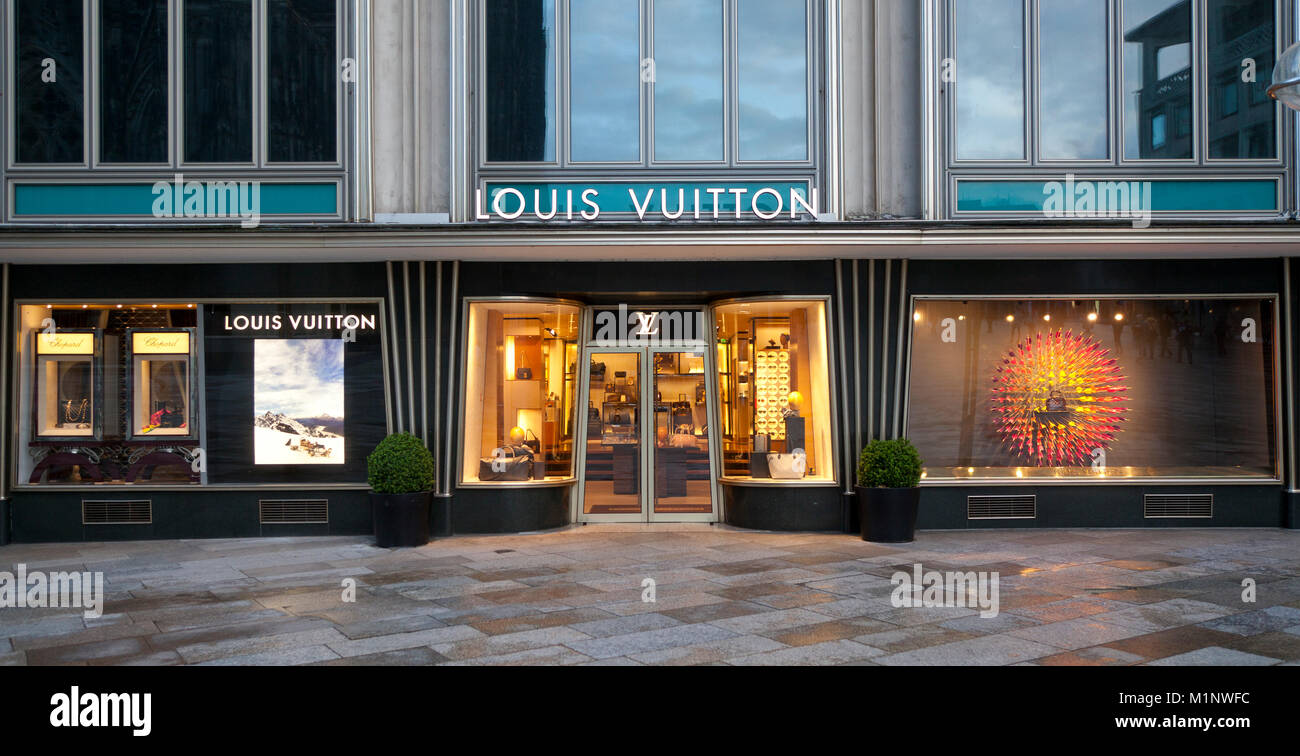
(723, 596)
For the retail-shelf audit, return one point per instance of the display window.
(774, 391)
(520, 385)
(159, 383)
(66, 385)
(1065, 388)
(200, 393)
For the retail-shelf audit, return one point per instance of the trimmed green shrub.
(889, 464)
(400, 465)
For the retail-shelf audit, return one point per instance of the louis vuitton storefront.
(674, 402)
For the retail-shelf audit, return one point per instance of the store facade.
(601, 291)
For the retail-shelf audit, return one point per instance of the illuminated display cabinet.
(160, 384)
(67, 385)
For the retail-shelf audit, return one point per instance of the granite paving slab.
(573, 596)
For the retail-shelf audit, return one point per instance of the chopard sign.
(160, 343)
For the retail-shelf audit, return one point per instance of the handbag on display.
(787, 466)
(598, 368)
(512, 465)
(524, 374)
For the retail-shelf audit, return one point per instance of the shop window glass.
(1088, 389)
(1237, 30)
(133, 81)
(107, 393)
(50, 91)
(1157, 76)
(520, 73)
(302, 75)
(1073, 82)
(991, 80)
(520, 381)
(773, 60)
(678, 96)
(288, 393)
(774, 391)
(689, 80)
(605, 74)
(218, 81)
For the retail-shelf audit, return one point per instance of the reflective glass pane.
(688, 80)
(681, 448)
(1242, 117)
(605, 80)
(613, 467)
(50, 91)
(218, 81)
(1086, 389)
(133, 81)
(773, 107)
(1157, 79)
(302, 75)
(520, 85)
(774, 391)
(1072, 87)
(520, 388)
(990, 80)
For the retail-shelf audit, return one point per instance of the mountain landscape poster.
(298, 402)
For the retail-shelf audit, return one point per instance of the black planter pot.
(888, 515)
(400, 519)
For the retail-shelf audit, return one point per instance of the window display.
(1100, 388)
(160, 368)
(66, 385)
(193, 393)
(774, 384)
(520, 382)
(295, 391)
(108, 393)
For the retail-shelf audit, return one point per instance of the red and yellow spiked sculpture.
(1057, 397)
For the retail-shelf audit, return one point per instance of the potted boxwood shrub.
(400, 473)
(888, 490)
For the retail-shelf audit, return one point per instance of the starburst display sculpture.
(1057, 397)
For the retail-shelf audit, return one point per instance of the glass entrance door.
(648, 450)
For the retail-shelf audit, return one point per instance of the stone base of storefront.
(1100, 506)
(51, 516)
(502, 510)
(788, 508)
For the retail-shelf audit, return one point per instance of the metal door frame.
(645, 380)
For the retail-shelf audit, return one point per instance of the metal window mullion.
(562, 75)
(91, 28)
(645, 90)
(259, 93)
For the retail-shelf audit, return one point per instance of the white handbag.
(787, 466)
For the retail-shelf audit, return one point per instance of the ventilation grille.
(1020, 507)
(116, 512)
(293, 511)
(1177, 505)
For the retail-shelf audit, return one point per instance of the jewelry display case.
(160, 384)
(67, 386)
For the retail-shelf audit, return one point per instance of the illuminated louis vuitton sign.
(646, 201)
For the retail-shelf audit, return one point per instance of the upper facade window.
(133, 87)
(680, 88)
(1143, 88)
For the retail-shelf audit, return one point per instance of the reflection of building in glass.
(1242, 117)
(517, 45)
(1163, 42)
